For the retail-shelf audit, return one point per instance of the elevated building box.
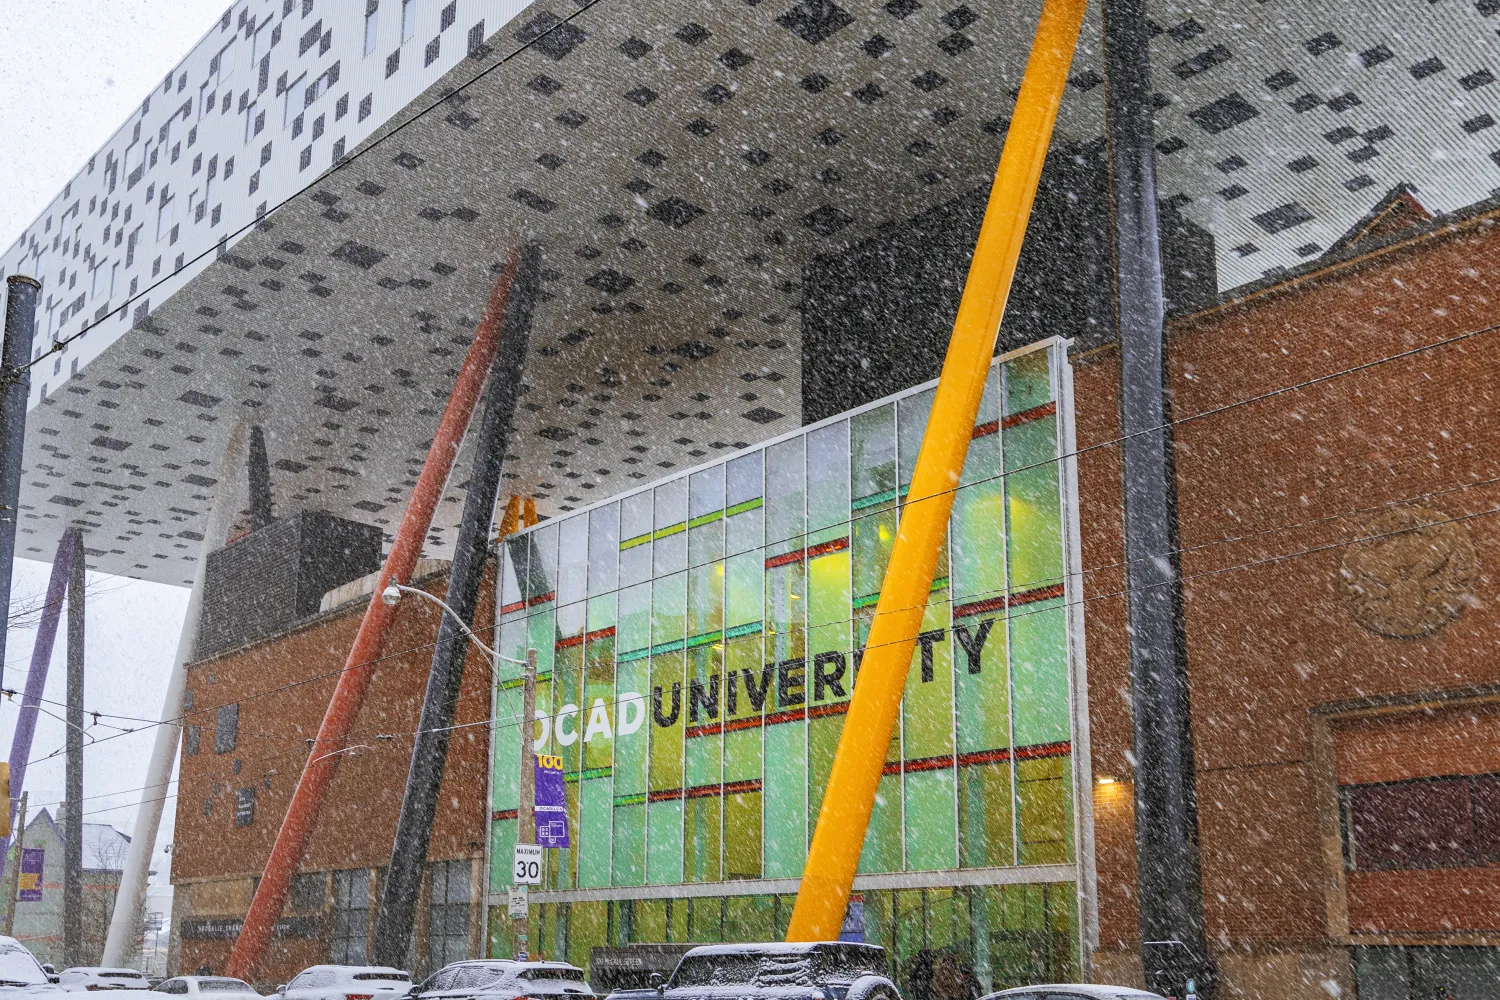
(267, 580)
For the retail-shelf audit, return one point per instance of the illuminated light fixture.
(1106, 779)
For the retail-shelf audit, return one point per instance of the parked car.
(92, 978)
(347, 982)
(209, 987)
(20, 972)
(825, 970)
(1073, 991)
(504, 980)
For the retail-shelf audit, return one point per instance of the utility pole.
(526, 815)
(73, 824)
(15, 386)
(15, 875)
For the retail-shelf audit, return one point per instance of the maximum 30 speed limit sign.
(527, 869)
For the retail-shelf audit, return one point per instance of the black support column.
(73, 819)
(403, 881)
(260, 480)
(1169, 880)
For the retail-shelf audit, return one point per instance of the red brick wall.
(1269, 493)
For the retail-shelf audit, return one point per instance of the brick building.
(252, 713)
(1342, 694)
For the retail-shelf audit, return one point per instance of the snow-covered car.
(92, 978)
(208, 987)
(347, 982)
(20, 972)
(504, 980)
(1073, 991)
(820, 970)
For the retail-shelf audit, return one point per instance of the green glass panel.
(882, 849)
(749, 919)
(746, 677)
(502, 845)
(785, 481)
(873, 536)
(931, 834)
(567, 692)
(985, 828)
(596, 797)
(978, 548)
(597, 715)
(705, 604)
(981, 682)
(828, 476)
(786, 608)
(664, 842)
(828, 589)
(632, 726)
(704, 708)
(701, 838)
(927, 710)
(742, 833)
(705, 920)
(911, 424)
(635, 538)
(822, 743)
(628, 847)
(541, 635)
(1028, 382)
(666, 722)
(744, 513)
(983, 461)
(650, 924)
(785, 798)
(872, 437)
(668, 608)
(670, 534)
(1039, 673)
(1043, 798)
(634, 629)
(706, 515)
(1033, 507)
(588, 927)
(744, 581)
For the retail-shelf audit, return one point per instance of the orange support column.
(840, 834)
(369, 642)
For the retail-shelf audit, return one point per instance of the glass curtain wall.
(698, 643)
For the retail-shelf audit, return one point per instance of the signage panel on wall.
(551, 802)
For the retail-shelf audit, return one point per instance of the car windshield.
(18, 967)
(121, 975)
(223, 986)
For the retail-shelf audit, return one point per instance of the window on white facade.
(372, 13)
(408, 19)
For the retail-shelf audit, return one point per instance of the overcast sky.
(72, 71)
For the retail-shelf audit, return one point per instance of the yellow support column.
(840, 834)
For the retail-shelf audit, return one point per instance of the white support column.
(132, 894)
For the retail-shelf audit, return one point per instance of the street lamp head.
(391, 595)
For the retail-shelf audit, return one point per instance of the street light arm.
(401, 588)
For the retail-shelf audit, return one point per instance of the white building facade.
(275, 94)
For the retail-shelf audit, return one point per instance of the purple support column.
(36, 680)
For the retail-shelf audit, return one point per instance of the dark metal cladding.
(1166, 814)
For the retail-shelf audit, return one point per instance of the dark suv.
(834, 970)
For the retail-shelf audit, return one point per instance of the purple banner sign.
(551, 802)
(31, 874)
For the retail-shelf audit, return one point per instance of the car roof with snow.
(1096, 991)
